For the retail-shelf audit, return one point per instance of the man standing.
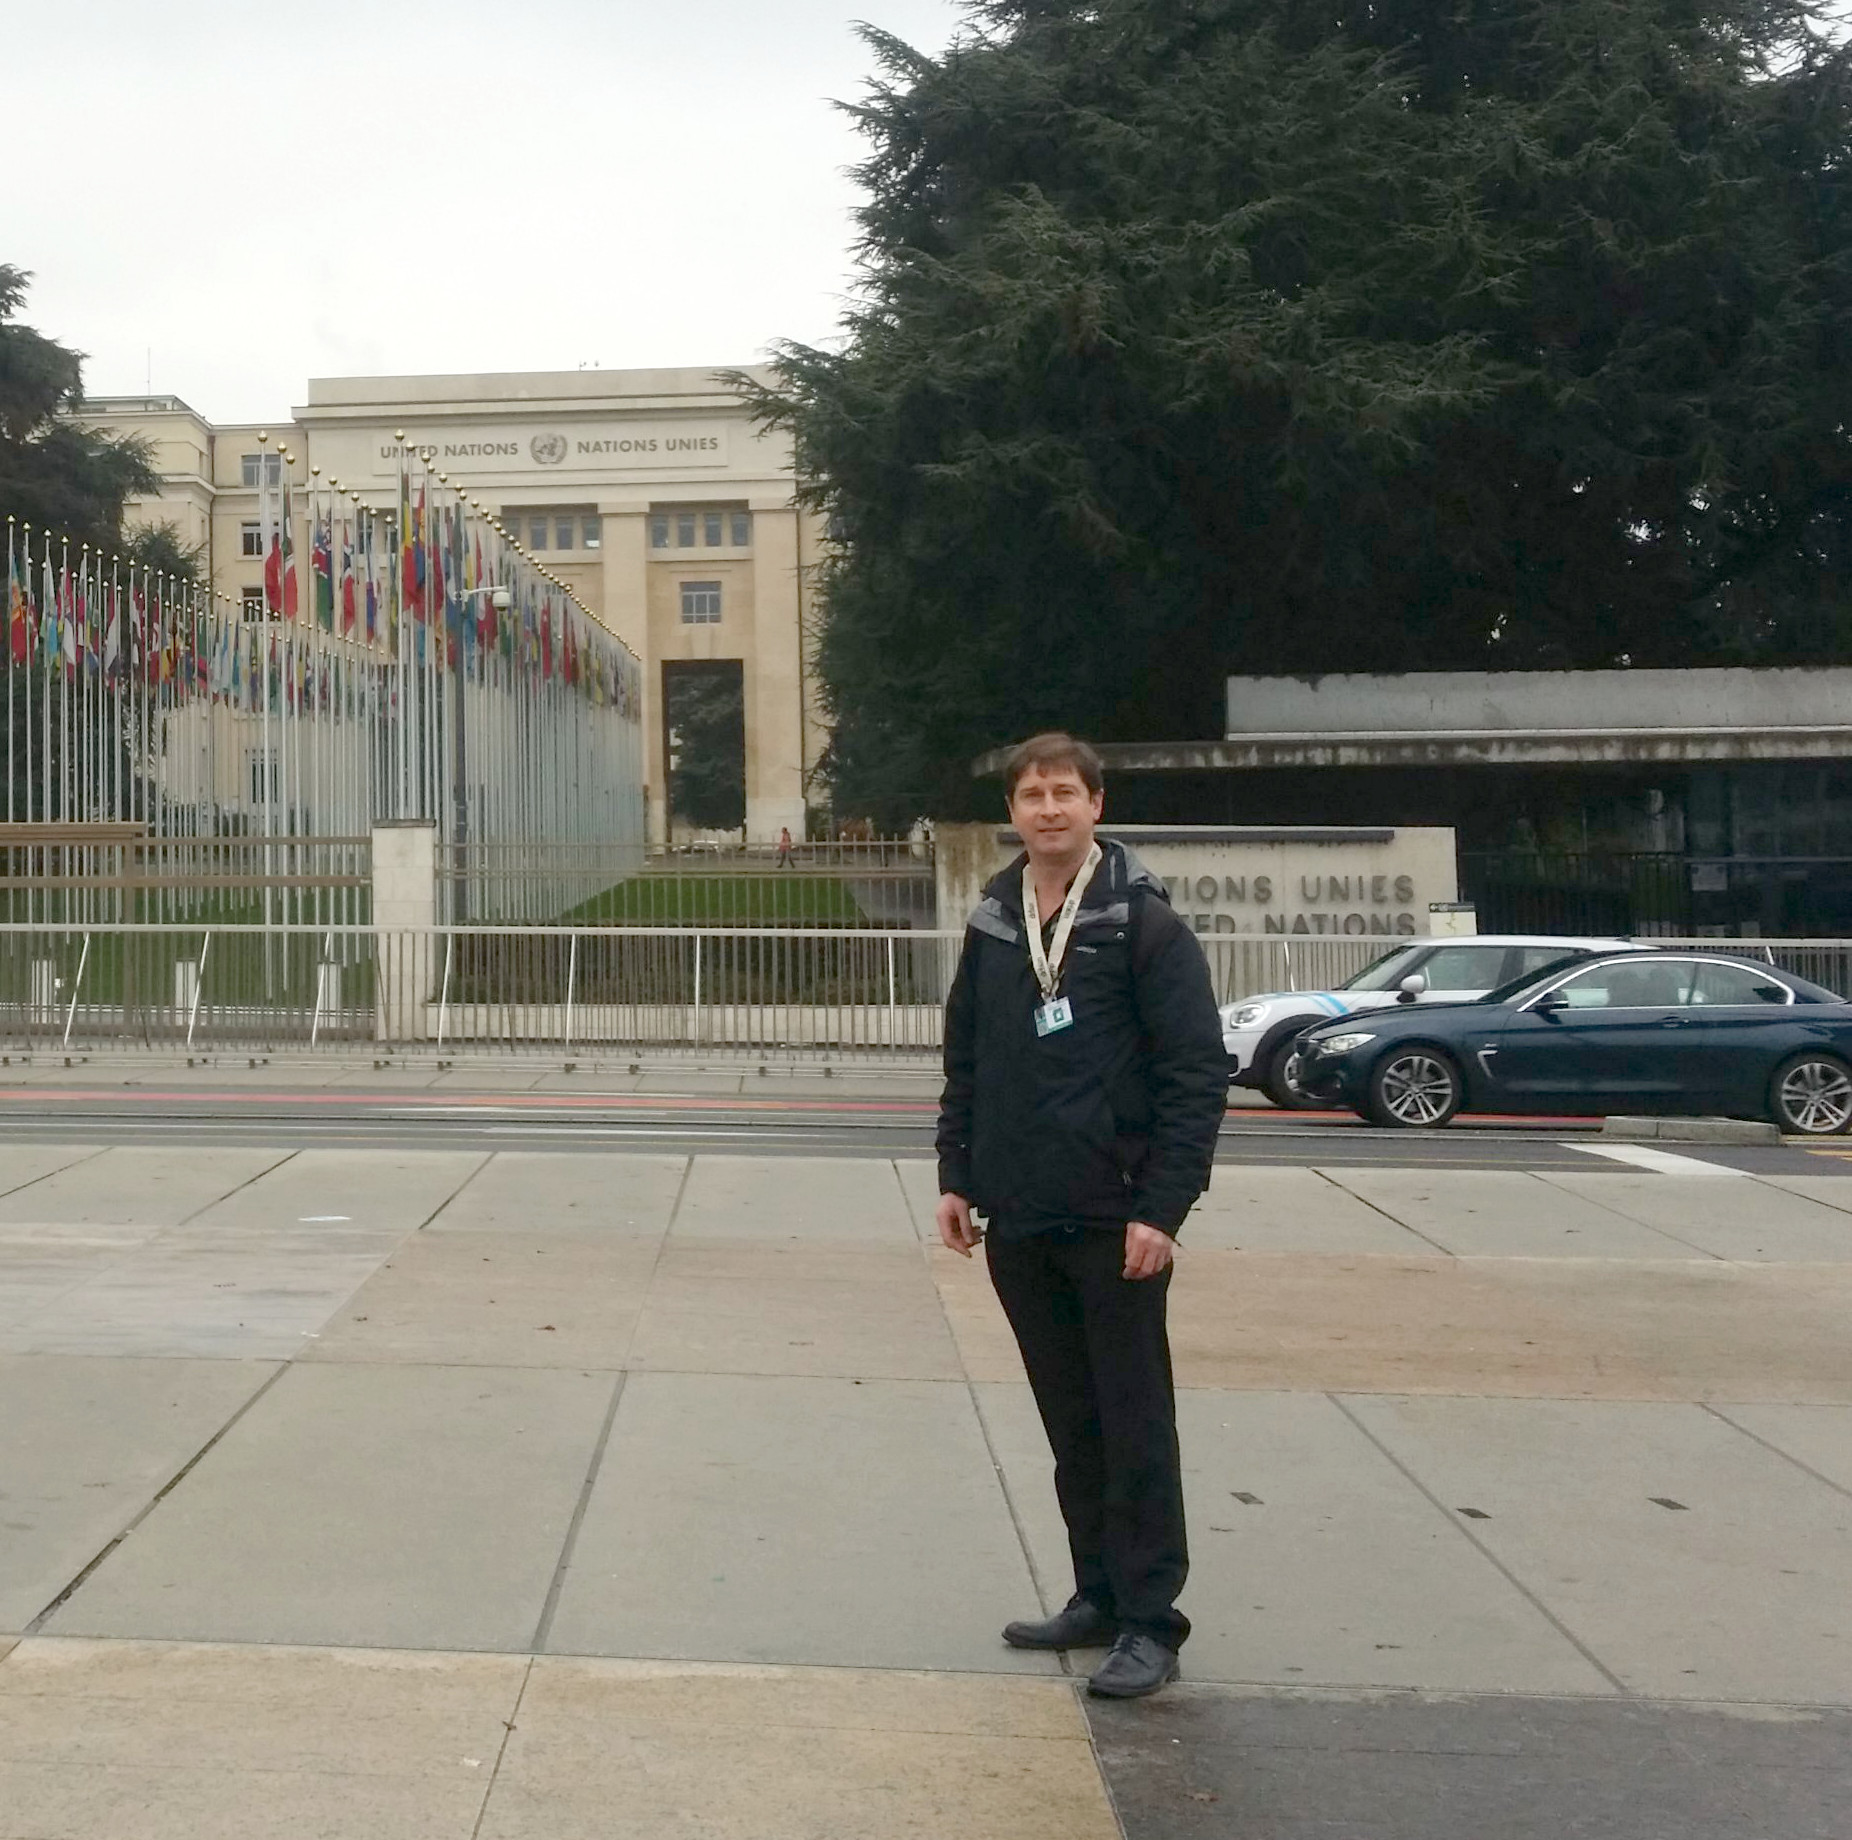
(1084, 1086)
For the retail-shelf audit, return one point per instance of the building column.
(775, 685)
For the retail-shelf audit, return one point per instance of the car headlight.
(1245, 1015)
(1342, 1044)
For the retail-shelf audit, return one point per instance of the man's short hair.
(1052, 752)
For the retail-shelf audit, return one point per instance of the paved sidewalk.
(402, 1494)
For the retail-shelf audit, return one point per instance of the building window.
(564, 530)
(537, 533)
(742, 529)
(256, 469)
(684, 530)
(251, 601)
(250, 539)
(700, 603)
(592, 531)
(710, 533)
(659, 533)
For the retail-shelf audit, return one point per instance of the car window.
(1385, 972)
(1738, 984)
(1640, 984)
(1527, 961)
(1464, 967)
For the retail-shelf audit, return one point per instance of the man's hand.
(956, 1227)
(1147, 1249)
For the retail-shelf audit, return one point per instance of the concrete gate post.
(405, 914)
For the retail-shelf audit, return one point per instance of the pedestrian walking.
(1084, 1087)
(784, 846)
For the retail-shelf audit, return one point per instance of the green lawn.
(721, 900)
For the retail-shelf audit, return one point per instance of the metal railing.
(111, 874)
(811, 992)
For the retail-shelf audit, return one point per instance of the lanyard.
(1048, 963)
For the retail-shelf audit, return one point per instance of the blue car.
(1636, 1031)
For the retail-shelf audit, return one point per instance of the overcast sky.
(259, 195)
(223, 200)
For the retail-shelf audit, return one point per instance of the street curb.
(1691, 1130)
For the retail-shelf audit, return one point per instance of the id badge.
(1054, 1015)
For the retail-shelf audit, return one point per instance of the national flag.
(420, 574)
(112, 638)
(18, 625)
(321, 564)
(347, 579)
(287, 499)
(67, 618)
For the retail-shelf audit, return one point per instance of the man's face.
(1054, 813)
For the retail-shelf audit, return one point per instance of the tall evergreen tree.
(55, 475)
(1285, 336)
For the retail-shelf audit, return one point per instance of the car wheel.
(1414, 1089)
(1811, 1095)
(1280, 1081)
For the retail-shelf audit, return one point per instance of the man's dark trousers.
(1098, 1358)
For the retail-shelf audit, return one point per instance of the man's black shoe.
(1080, 1625)
(1137, 1665)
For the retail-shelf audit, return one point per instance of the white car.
(1261, 1033)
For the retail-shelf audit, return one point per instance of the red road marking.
(448, 1101)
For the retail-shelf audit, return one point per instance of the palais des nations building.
(650, 493)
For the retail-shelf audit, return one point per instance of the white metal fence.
(734, 990)
(452, 990)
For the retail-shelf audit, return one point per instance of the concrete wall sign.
(559, 447)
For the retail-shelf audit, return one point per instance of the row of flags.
(114, 625)
(431, 602)
(422, 582)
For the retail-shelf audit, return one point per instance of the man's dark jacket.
(1111, 1120)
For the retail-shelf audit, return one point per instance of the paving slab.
(588, 1191)
(387, 1189)
(1553, 1328)
(1283, 1208)
(622, 1750)
(1729, 1220)
(1692, 1561)
(1830, 1191)
(500, 1079)
(797, 1520)
(793, 1197)
(1212, 1763)
(1510, 1213)
(855, 1310)
(919, 1185)
(379, 1506)
(21, 1164)
(85, 1445)
(671, 1083)
(131, 1185)
(1818, 1436)
(41, 1261)
(497, 1299)
(1313, 1560)
(142, 1741)
(247, 1296)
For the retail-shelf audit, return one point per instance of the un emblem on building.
(548, 449)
